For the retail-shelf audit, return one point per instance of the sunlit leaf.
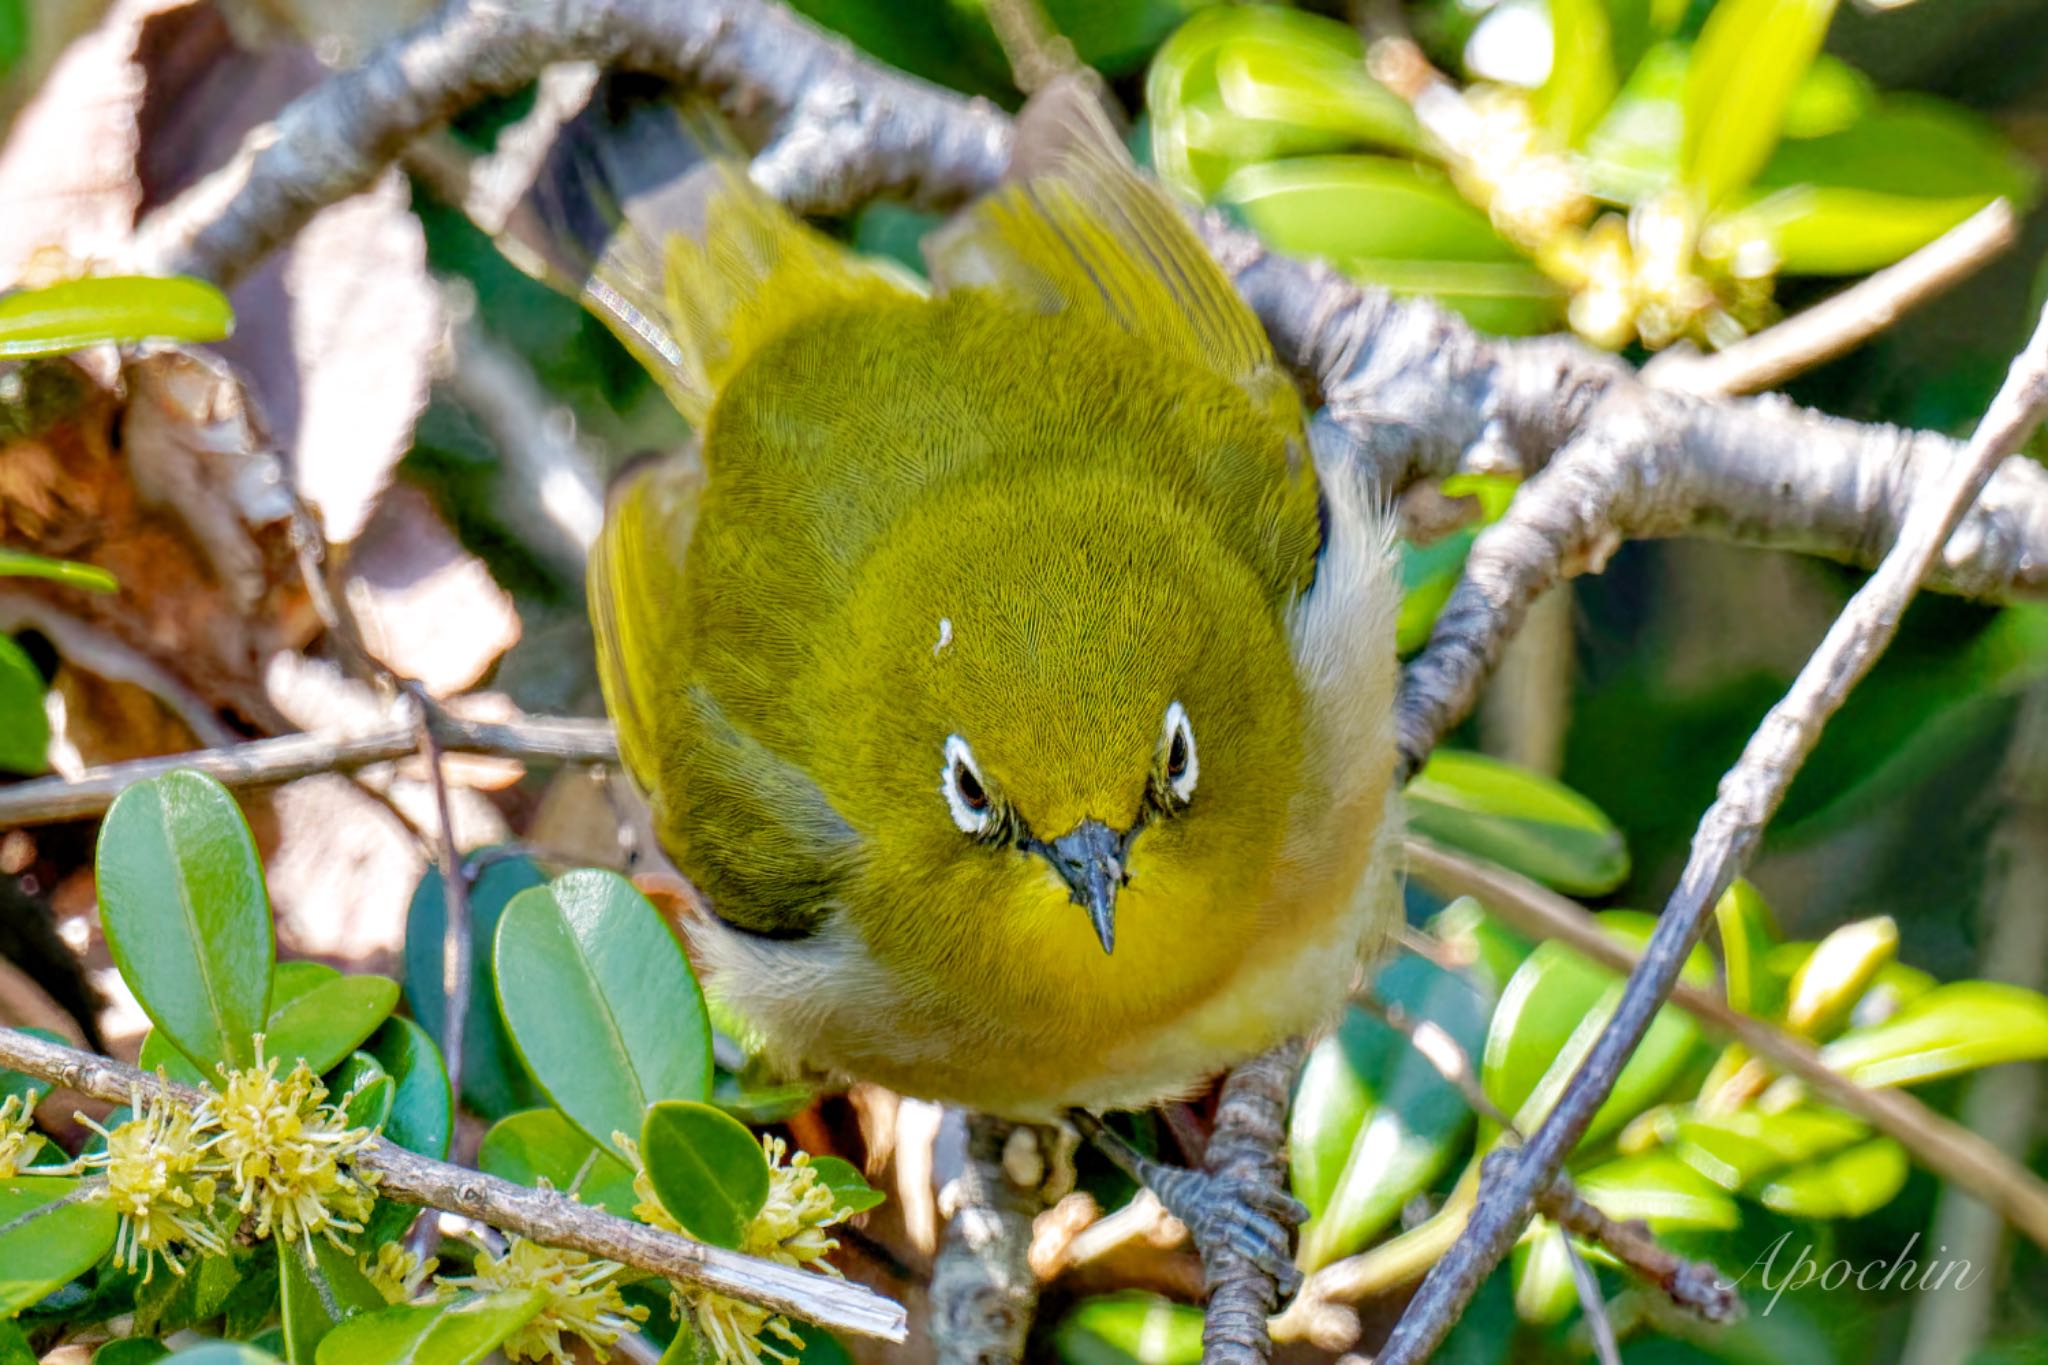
(1659, 1189)
(458, 1333)
(1130, 1329)
(1750, 57)
(1849, 1185)
(1748, 930)
(17, 564)
(1582, 81)
(187, 916)
(79, 313)
(1735, 1150)
(1837, 972)
(1522, 820)
(600, 1001)
(850, 1189)
(1957, 1027)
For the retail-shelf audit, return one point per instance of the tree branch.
(542, 1215)
(1727, 838)
(983, 1290)
(270, 762)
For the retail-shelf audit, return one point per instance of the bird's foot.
(1249, 1217)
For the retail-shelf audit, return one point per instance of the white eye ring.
(967, 799)
(1178, 730)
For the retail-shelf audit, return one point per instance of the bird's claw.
(1249, 1217)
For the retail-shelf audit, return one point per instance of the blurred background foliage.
(1643, 173)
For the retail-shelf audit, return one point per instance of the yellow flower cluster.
(18, 1144)
(790, 1229)
(581, 1299)
(271, 1151)
(397, 1272)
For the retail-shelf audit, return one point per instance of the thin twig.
(1692, 1285)
(543, 1215)
(1248, 1145)
(1727, 838)
(1846, 320)
(456, 946)
(286, 758)
(1943, 1146)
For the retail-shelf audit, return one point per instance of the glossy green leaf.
(1519, 819)
(542, 1145)
(1738, 1149)
(707, 1169)
(1545, 1291)
(1582, 82)
(1837, 973)
(1956, 1027)
(1398, 224)
(1849, 1185)
(130, 1351)
(330, 1021)
(46, 1241)
(1748, 930)
(1414, 1122)
(1553, 1011)
(1750, 57)
(1297, 84)
(16, 564)
(79, 313)
(494, 1081)
(365, 1092)
(1130, 1329)
(186, 914)
(24, 726)
(1659, 1189)
(422, 1109)
(600, 1001)
(320, 1288)
(850, 1189)
(458, 1333)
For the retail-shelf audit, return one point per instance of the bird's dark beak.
(1090, 860)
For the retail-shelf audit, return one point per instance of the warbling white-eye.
(999, 664)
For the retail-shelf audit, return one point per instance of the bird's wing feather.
(749, 828)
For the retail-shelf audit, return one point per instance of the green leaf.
(1398, 224)
(600, 1001)
(1414, 1121)
(1581, 83)
(458, 1333)
(1553, 1011)
(1750, 57)
(542, 1145)
(1477, 938)
(1736, 1150)
(494, 1081)
(130, 1351)
(707, 1169)
(45, 1242)
(1748, 930)
(1837, 973)
(1519, 819)
(24, 725)
(422, 1109)
(224, 1353)
(14, 33)
(1542, 1269)
(1659, 1189)
(1952, 1028)
(14, 1344)
(330, 1021)
(367, 1092)
(16, 564)
(79, 313)
(186, 914)
(321, 1288)
(1130, 1329)
(850, 1189)
(1850, 1185)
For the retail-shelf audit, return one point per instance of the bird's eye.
(966, 794)
(1182, 767)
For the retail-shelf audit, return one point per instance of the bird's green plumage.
(1031, 511)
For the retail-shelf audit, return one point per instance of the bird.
(1003, 663)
